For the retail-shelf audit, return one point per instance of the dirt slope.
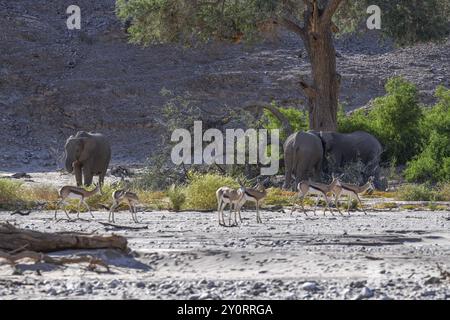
(54, 82)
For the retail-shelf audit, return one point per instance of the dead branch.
(19, 212)
(117, 226)
(329, 10)
(444, 273)
(40, 257)
(12, 238)
(264, 105)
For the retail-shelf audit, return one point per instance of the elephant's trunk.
(69, 164)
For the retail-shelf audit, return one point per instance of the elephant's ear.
(327, 139)
(87, 148)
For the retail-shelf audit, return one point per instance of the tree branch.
(291, 26)
(330, 9)
(308, 89)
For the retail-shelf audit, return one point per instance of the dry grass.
(385, 205)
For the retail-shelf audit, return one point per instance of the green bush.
(394, 120)
(417, 192)
(408, 22)
(433, 163)
(201, 190)
(11, 193)
(176, 197)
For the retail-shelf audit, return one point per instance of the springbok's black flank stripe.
(348, 189)
(316, 188)
(249, 195)
(77, 192)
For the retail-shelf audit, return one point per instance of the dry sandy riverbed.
(188, 256)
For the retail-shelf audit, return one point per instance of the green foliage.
(433, 163)
(424, 192)
(417, 192)
(395, 119)
(387, 119)
(186, 21)
(201, 190)
(277, 196)
(176, 196)
(357, 120)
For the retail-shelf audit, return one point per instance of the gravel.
(189, 263)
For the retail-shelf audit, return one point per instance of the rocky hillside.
(54, 82)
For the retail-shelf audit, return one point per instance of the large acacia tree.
(194, 21)
(190, 21)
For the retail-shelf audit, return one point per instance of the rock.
(205, 296)
(310, 286)
(51, 292)
(365, 293)
(114, 284)
(428, 293)
(140, 285)
(432, 280)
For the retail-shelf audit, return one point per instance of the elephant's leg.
(87, 173)
(287, 174)
(78, 176)
(101, 180)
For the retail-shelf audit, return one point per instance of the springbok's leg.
(221, 217)
(258, 217)
(360, 203)
(327, 205)
(87, 206)
(348, 204)
(219, 204)
(78, 209)
(336, 202)
(111, 211)
(317, 203)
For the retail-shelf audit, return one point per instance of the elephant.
(343, 148)
(303, 156)
(88, 153)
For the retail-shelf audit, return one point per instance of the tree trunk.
(323, 98)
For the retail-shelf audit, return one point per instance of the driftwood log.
(14, 239)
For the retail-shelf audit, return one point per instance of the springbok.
(318, 189)
(226, 195)
(124, 195)
(352, 191)
(256, 194)
(71, 192)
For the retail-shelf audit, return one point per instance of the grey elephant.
(87, 154)
(303, 156)
(343, 148)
